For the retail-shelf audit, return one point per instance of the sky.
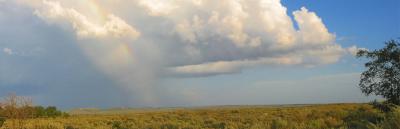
(171, 53)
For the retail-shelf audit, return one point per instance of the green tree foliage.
(382, 76)
(39, 111)
(52, 111)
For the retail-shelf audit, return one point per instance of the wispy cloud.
(333, 88)
(8, 51)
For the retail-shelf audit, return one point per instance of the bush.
(384, 106)
(392, 120)
(364, 118)
(51, 111)
(2, 120)
(279, 124)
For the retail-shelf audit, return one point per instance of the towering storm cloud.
(138, 42)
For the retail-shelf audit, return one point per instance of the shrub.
(279, 124)
(384, 106)
(2, 120)
(392, 120)
(363, 118)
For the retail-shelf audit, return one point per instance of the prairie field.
(199, 64)
(324, 116)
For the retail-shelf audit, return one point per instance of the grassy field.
(222, 117)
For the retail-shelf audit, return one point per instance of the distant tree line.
(50, 111)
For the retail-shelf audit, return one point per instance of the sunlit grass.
(253, 117)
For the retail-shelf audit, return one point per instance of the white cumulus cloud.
(196, 37)
(354, 49)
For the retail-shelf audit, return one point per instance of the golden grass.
(252, 117)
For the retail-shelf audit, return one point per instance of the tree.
(51, 111)
(382, 76)
(17, 107)
(39, 111)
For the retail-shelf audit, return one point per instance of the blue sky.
(171, 53)
(363, 22)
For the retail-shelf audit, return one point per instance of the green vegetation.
(19, 107)
(335, 116)
(50, 111)
(382, 76)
